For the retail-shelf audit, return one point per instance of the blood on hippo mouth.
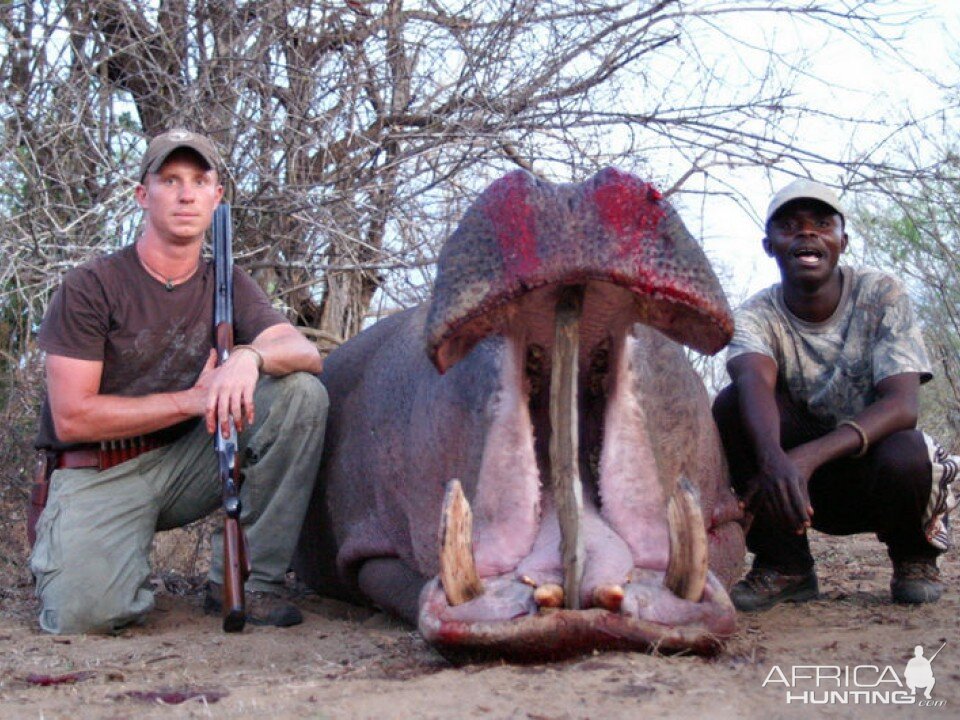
(571, 533)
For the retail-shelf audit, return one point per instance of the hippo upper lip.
(714, 324)
(523, 234)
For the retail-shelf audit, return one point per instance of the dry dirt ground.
(349, 662)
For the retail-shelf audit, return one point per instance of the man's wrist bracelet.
(252, 349)
(864, 440)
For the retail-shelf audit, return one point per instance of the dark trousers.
(884, 492)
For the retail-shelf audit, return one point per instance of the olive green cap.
(164, 144)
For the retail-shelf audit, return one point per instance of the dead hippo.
(526, 466)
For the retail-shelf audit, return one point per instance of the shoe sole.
(906, 598)
(797, 596)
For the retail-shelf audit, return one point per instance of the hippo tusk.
(458, 568)
(609, 597)
(686, 575)
(564, 440)
(549, 595)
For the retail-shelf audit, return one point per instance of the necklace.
(169, 283)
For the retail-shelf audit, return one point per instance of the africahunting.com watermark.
(867, 684)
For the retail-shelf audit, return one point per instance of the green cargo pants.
(91, 559)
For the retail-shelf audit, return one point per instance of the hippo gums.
(526, 466)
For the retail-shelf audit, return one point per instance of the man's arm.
(896, 408)
(283, 350)
(82, 414)
(779, 483)
(783, 476)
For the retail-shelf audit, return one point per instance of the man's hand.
(227, 391)
(781, 487)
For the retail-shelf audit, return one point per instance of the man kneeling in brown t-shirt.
(130, 365)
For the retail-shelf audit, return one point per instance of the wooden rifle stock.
(236, 561)
(235, 572)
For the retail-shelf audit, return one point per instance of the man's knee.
(309, 387)
(81, 609)
(901, 460)
(903, 453)
(737, 446)
(301, 391)
(73, 620)
(291, 417)
(90, 565)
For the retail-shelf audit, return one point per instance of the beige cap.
(804, 189)
(162, 145)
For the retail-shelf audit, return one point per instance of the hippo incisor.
(526, 466)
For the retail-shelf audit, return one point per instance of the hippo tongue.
(522, 234)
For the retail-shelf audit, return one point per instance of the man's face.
(806, 238)
(179, 199)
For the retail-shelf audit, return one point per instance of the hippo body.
(460, 388)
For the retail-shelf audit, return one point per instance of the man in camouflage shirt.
(819, 423)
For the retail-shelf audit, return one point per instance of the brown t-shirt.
(149, 339)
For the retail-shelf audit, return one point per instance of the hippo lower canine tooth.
(549, 595)
(609, 597)
(686, 575)
(458, 571)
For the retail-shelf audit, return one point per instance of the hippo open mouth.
(579, 534)
(565, 448)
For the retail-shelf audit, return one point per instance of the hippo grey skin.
(459, 388)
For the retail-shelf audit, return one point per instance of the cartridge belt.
(108, 453)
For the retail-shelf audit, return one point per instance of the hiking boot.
(762, 588)
(916, 581)
(262, 608)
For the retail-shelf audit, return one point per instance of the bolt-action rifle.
(236, 562)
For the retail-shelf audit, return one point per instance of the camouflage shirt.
(832, 368)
